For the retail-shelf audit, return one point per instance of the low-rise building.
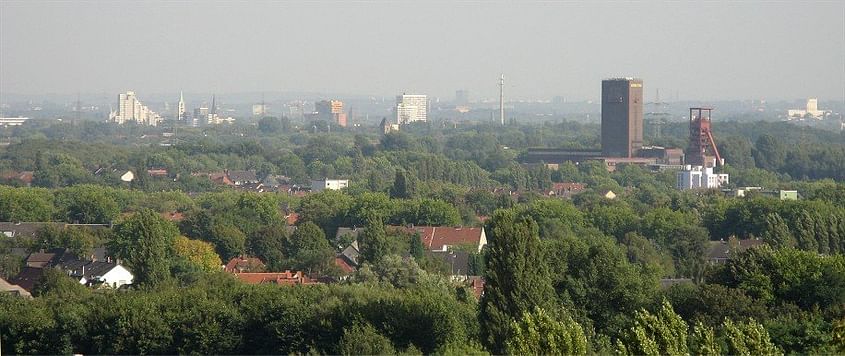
(698, 177)
(331, 184)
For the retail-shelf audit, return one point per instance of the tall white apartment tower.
(411, 108)
(129, 108)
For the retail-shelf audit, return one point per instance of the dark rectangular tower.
(621, 117)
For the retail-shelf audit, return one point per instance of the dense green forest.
(629, 275)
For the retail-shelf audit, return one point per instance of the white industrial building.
(698, 177)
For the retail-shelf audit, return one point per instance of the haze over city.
(711, 51)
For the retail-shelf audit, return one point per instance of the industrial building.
(702, 149)
(698, 177)
(621, 117)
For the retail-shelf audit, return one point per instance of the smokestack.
(502, 99)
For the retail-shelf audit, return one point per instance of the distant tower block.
(702, 149)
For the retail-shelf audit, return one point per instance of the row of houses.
(98, 270)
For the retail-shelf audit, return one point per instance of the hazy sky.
(710, 51)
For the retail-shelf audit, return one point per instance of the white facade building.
(12, 121)
(411, 108)
(129, 108)
(698, 177)
(812, 110)
(332, 184)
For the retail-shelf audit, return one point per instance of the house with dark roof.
(98, 273)
(28, 278)
(239, 178)
(722, 251)
(23, 229)
(12, 289)
(99, 270)
(458, 262)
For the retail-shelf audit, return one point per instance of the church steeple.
(181, 113)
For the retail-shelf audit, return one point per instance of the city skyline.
(775, 51)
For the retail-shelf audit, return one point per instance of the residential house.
(566, 190)
(220, 178)
(442, 238)
(22, 178)
(23, 229)
(721, 251)
(282, 278)
(240, 178)
(28, 278)
(244, 265)
(607, 194)
(98, 273)
(12, 289)
(157, 172)
(458, 262)
(275, 181)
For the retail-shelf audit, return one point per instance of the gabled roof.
(458, 261)
(242, 176)
(343, 264)
(283, 278)
(88, 269)
(6, 287)
(28, 278)
(721, 250)
(438, 237)
(244, 264)
(351, 254)
(352, 231)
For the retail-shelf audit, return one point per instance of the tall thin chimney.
(502, 99)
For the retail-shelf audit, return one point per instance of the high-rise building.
(461, 97)
(129, 108)
(259, 110)
(621, 117)
(411, 108)
(331, 110)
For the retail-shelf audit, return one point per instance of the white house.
(698, 177)
(104, 273)
(333, 184)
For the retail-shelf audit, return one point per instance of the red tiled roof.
(344, 266)
(173, 216)
(292, 218)
(240, 264)
(436, 237)
(157, 172)
(23, 176)
(282, 278)
(477, 285)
